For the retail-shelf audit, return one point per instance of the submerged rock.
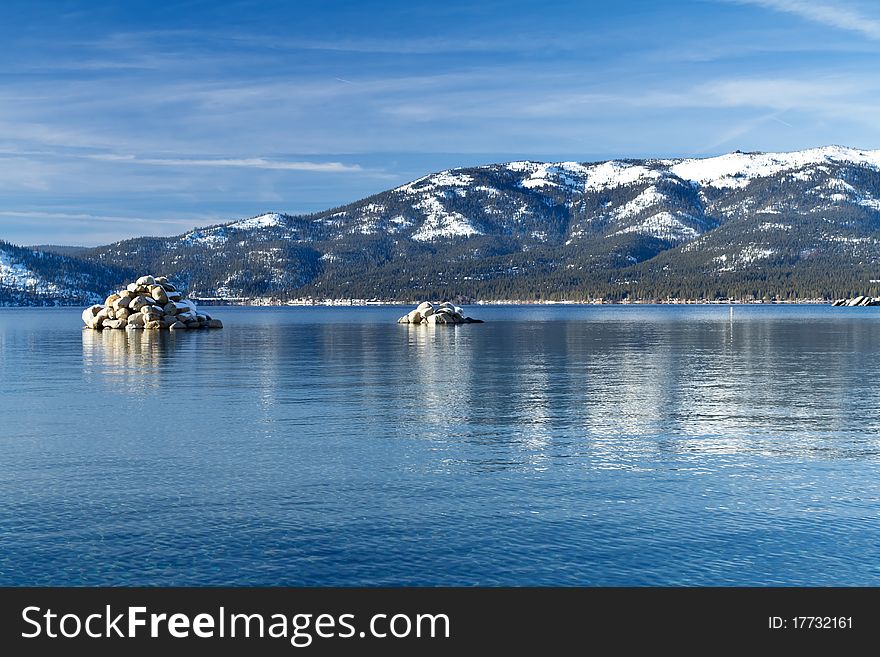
(858, 301)
(149, 303)
(443, 313)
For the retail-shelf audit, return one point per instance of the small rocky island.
(442, 313)
(148, 303)
(858, 301)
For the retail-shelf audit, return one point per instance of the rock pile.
(443, 313)
(148, 303)
(858, 301)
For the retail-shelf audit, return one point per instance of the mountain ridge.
(802, 224)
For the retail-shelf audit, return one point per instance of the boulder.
(152, 324)
(121, 302)
(215, 323)
(114, 323)
(111, 299)
(89, 313)
(176, 326)
(146, 280)
(170, 308)
(138, 302)
(157, 292)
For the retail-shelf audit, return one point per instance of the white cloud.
(837, 15)
(244, 163)
(86, 217)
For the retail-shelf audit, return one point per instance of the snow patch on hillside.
(648, 198)
(618, 174)
(739, 169)
(439, 222)
(771, 226)
(269, 220)
(211, 237)
(448, 178)
(16, 275)
(665, 226)
(745, 257)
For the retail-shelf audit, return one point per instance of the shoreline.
(364, 303)
(255, 302)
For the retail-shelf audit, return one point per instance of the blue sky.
(148, 118)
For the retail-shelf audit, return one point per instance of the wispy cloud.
(242, 163)
(838, 15)
(88, 217)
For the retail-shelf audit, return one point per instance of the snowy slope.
(31, 277)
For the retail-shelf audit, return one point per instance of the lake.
(552, 445)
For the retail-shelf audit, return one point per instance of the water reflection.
(620, 393)
(614, 394)
(131, 360)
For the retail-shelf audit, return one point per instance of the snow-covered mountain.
(805, 223)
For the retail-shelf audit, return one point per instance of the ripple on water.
(551, 445)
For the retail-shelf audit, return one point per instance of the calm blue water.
(551, 445)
